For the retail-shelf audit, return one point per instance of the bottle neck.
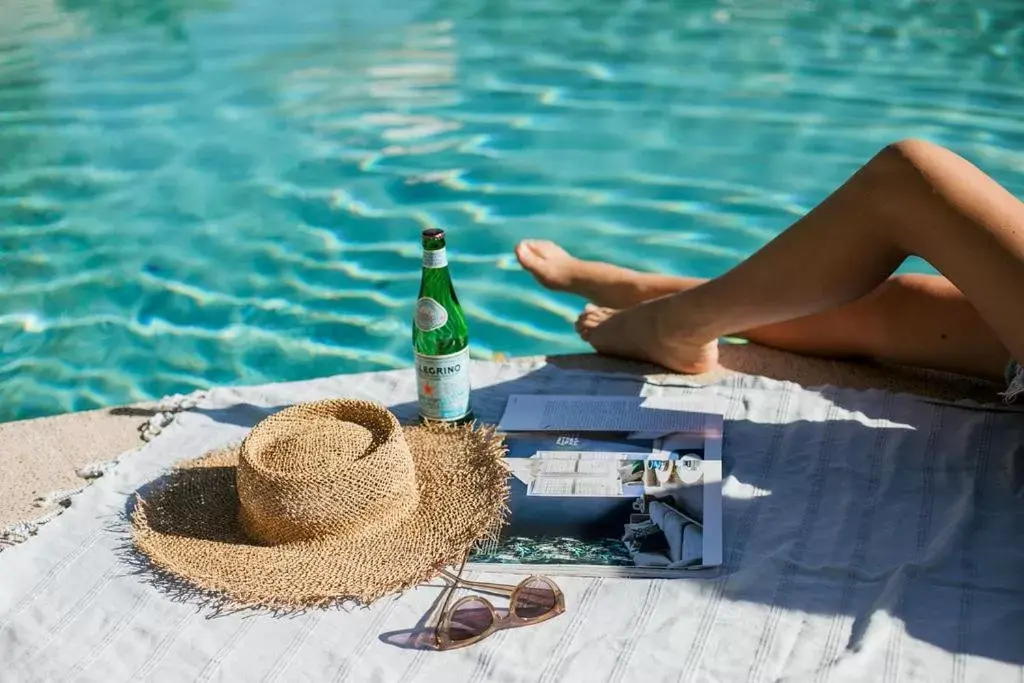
(435, 255)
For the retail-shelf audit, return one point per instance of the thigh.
(927, 321)
(918, 320)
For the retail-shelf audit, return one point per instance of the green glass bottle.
(440, 339)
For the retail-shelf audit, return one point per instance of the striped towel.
(868, 537)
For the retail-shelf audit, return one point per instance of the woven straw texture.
(325, 503)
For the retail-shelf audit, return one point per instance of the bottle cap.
(433, 233)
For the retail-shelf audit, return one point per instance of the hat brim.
(188, 526)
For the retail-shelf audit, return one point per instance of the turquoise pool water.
(198, 192)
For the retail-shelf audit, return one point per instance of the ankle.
(601, 283)
(684, 323)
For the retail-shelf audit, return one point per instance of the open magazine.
(636, 492)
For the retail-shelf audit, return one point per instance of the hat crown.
(333, 468)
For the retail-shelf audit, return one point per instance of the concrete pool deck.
(41, 456)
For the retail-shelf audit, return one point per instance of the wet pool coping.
(42, 456)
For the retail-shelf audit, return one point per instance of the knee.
(901, 173)
(910, 147)
(912, 153)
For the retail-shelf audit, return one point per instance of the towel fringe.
(1016, 387)
(167, 410)
(22, 531)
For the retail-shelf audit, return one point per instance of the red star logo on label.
(427, 389)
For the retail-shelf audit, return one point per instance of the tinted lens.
(470, 619)
(535, 598)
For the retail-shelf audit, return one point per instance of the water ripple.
(219, 192)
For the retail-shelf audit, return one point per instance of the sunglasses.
(473, 618)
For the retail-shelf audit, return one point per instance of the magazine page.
(603, 503)
(637, 416)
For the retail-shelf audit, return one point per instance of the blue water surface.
(198, 192)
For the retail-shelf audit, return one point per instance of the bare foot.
(601, 283)
(551, 265)
(636, 332)
(640, 333)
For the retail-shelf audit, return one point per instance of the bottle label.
(443, 385)
(430, 315)
(436, 258)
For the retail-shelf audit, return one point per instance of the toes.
(525, 252)
(533, 257)
(584, 325)
(540, 250)
(591, 317)
(547, 263)
(581, 325)
(597, 314)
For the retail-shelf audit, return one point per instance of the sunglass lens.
(470, 619)
(535, 598)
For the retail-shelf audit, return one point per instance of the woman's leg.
(915, 320)
(899, 321)
(600, 283)
(913, 198)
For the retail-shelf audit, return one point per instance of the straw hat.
(324, 502)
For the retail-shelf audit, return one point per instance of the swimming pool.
(198, 192)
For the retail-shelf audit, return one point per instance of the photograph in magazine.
(591, 499)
